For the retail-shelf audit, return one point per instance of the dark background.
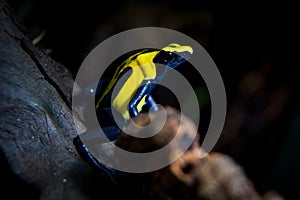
(252, 43)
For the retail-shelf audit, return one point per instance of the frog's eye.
(164, 57)
(169, 56)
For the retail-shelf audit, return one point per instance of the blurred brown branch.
(217, 176)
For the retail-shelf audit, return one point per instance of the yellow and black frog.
(136, 75)
(142, 75)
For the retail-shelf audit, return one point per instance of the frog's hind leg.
(108, 124)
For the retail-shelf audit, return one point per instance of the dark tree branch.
(36, 123)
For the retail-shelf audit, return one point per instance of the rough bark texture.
(36, 123)
(37, 129)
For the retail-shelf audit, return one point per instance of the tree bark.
(37, 127)
(36, 123)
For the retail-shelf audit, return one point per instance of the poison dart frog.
(142, 70)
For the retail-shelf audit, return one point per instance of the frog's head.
(173, 55)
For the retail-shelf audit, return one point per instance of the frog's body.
(142, 68)
(135, 90)
(143, 75)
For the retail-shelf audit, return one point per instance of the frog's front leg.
(142, 94)
(150, 103)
